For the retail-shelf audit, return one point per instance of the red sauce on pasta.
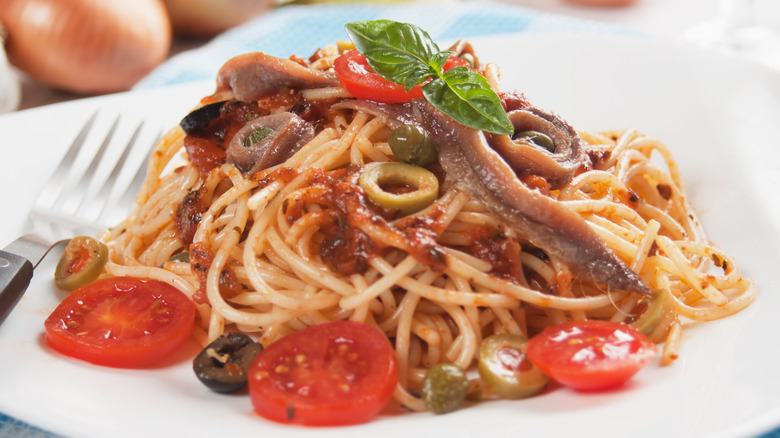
(201, 258)
(502, 252)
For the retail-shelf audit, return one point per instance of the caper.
(537, 138)
(423, 185)
(223, 365)
(257, 136)
(411, 144)
(81, 263)
(504, 367)
(652, 315)
(444, 388)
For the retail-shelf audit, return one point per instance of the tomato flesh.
(335, 373)
(121, 322)
(361, 81)
(590, 355)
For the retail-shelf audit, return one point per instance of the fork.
(60, 211)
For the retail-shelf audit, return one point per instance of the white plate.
(719, 116)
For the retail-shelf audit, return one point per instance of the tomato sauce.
(201, 258)
(345, 247)
(502, 252)
(189, 214)
(346, 211)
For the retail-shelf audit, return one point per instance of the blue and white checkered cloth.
(303, 29)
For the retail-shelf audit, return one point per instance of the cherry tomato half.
(335, 373)
(362, 82)
(590, 355)
(121, 322)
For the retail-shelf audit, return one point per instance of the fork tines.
(95, 183)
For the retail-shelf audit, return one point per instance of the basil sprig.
(405, 54)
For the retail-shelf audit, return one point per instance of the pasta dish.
(286, 200)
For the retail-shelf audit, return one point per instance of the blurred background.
(59, 50)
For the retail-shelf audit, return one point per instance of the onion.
(86, 46)
(210, 17)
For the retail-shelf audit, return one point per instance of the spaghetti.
(298, 243)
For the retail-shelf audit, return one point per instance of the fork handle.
(15, 275)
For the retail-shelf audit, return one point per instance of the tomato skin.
(336, 373)
(362, 82)
(455, 61)
(590, 355)
(121, 322)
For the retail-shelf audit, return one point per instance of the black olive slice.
(223, 365)
(200, 116)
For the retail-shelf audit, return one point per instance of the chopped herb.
(257, 136)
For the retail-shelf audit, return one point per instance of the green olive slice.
(422, 184)
(444, 388)
(81, 263)
(650, 318)
(411, 144)
(504, 367)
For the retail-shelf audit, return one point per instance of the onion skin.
(205, 18)
(86, 46)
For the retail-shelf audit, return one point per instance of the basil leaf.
(398, 52)
(405, 54)
(466, 97)
(438, 60)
